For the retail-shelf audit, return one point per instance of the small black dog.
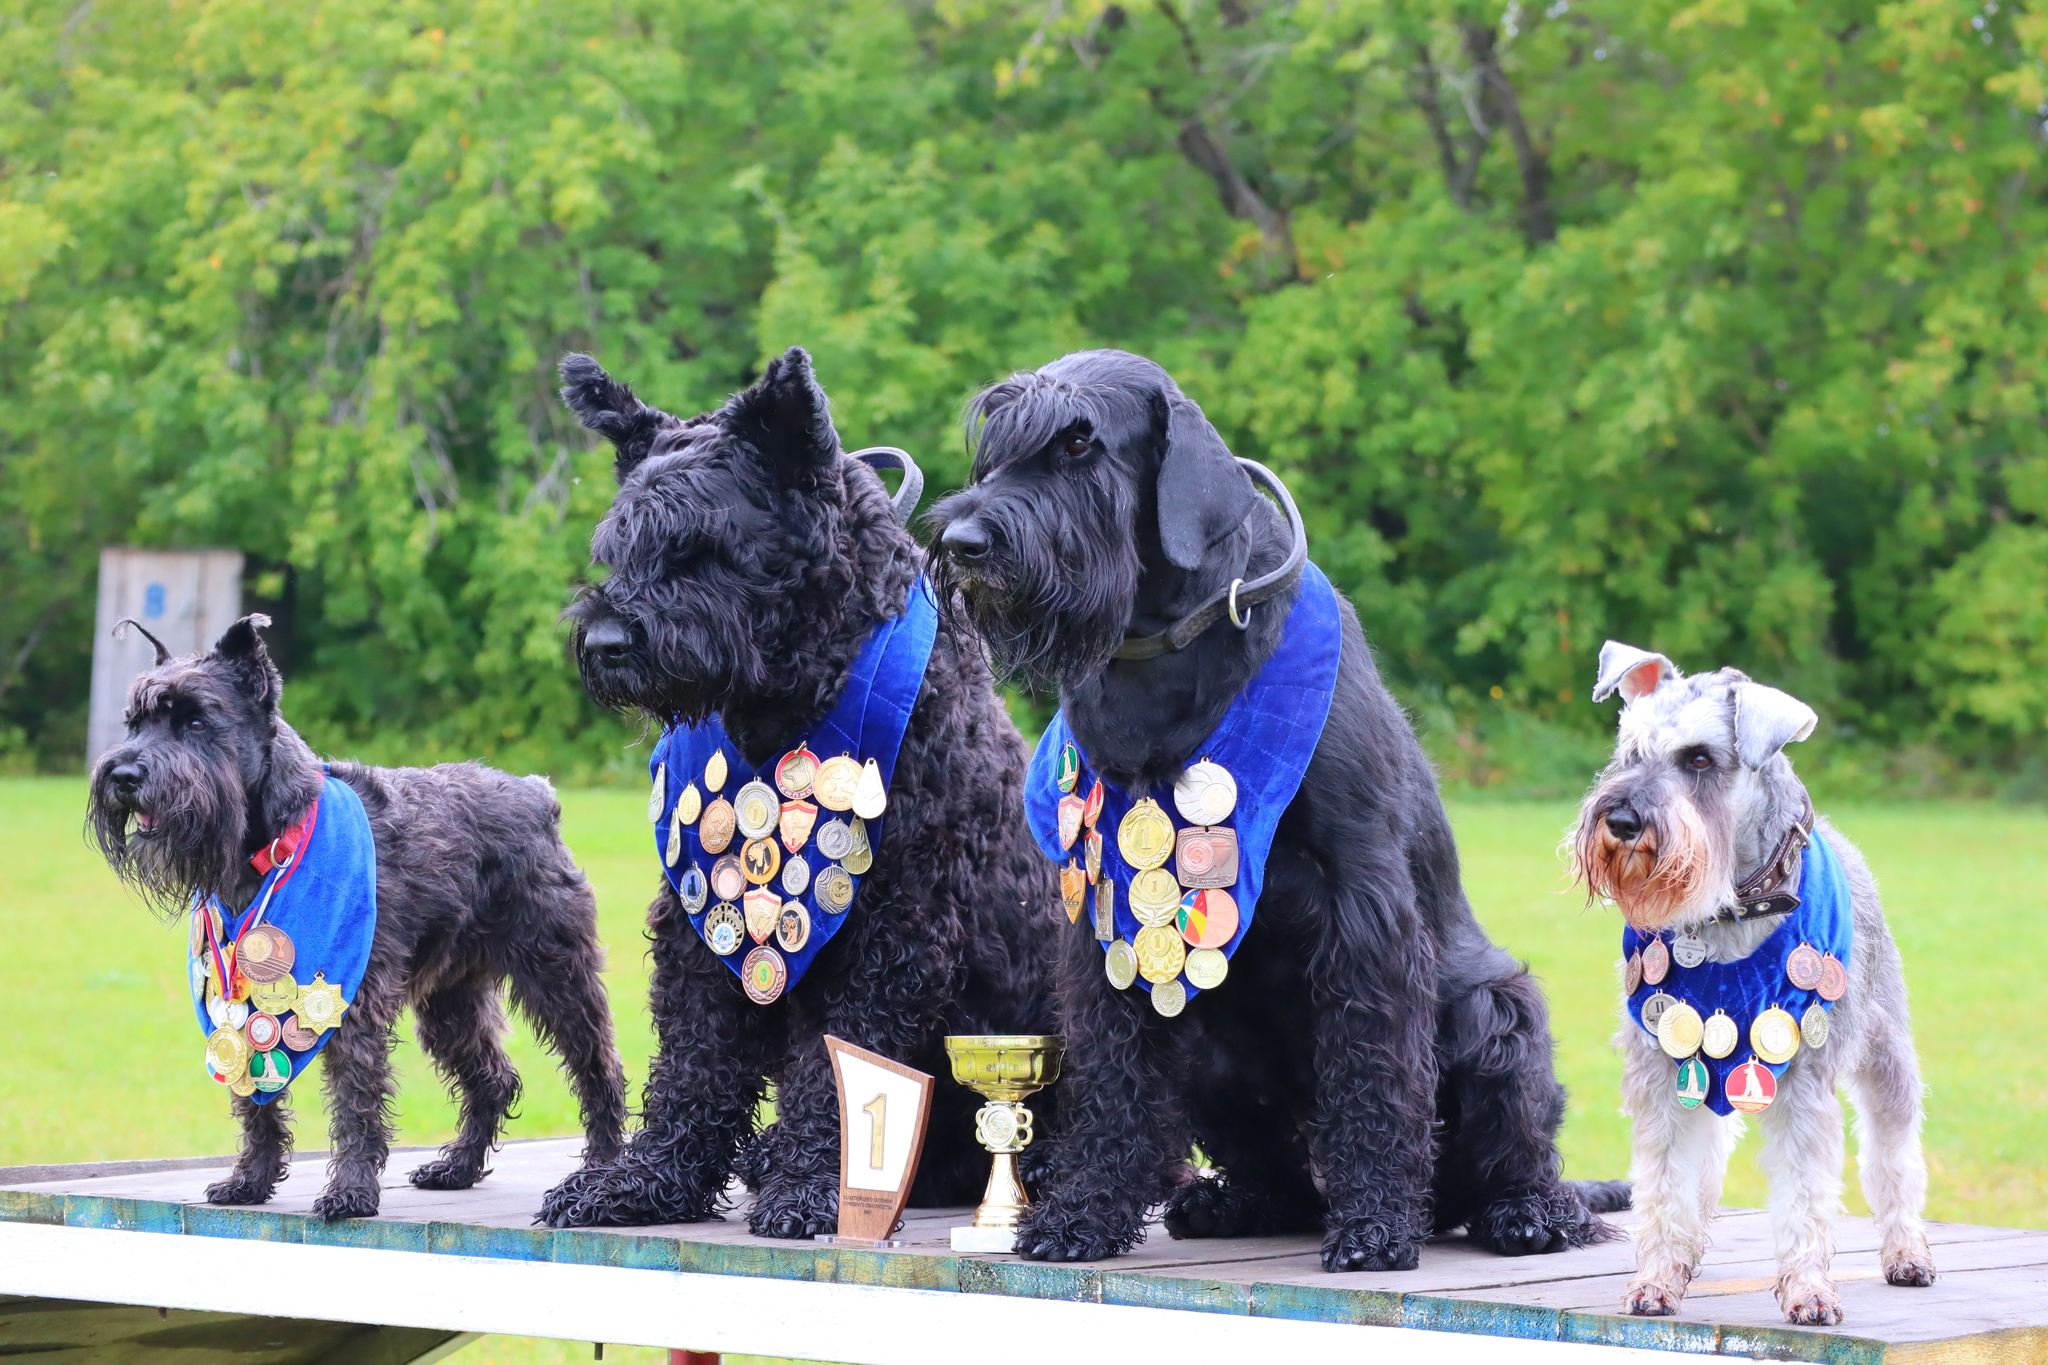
(474, 888)
(749, 560)
(1375, 1068)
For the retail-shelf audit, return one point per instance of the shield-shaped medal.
(798, 819)
(763, 907)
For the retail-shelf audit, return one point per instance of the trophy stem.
(1004, 1203)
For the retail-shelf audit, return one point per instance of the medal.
(693, 888)
(658, 798)
(197, 972)
(834, 784)
(1144, 837)
(796, 875)
(1206, 856)
(264, 953)
(1070, 811)
(1688, 950)
(205, 919)
(1205, 968)
(1718, 1036)
(863, 856)
(262, 1031)
(798, 818)
(1073, 891)
(756, 809)
(1834, 979)
(870, 794)
(728, 882)
(1751, 1087)
(1678, 1030)
(1120, 963)
(793, 928)
(832, 889)
(1091, 854)
(242, 1085)
(227, 1055)
(1155, 897)
(270, 1071)
(1091, 810)
(1207, 919)
(274, 997)
(674, 850)
(714, 771)
(296, 1037)
(724, 929)
(1105, 911)
(797, 771)
(1632, 974)
(1160, 953)
(1206, 794)
(1693, 1080)
(764, 975)
(1070, 767)
(1774, 1036)
(1814, 1026)
(1653, 1009)
(1169, 998)
(1802, 967)
(690, 805)
(716, 829)
(762, 908)
(320, 1004)
(835, 840)
(1656, 961)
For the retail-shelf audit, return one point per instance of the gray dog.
(1702, 835)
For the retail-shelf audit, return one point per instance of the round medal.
(832, 889)
(797, 772)
(1070, 767)
(716, 829)
(835, 840)
(1207, 919)
(262, 1031)
(1693, 1080)
(1834, 979)
(1206, 794)
(237, 1014)
(1120, 963)
(1678, 1030)
(870, 794)
(242, 1085)
(693, 888)
(1774, 1035)
(297, 1037)
(197, 971)
(1205, 968)
(1751, 1087)
(761, 859)
(264, 953)
(270, 1071)
(796, 875)
(793, 928)
(724, 929)
(658, 798)
(1169, 998)
(690, 804)
(1656, 961)
(728, 882)
(1160, 952)
(764, 974)
(1144, 837)
(1688, 950)
(202, 915)
(227, 1054)
(1814, 1026)
(1155, 897)
(320, 1004)
(715, 771)
(274, 997)
(1802, 967)
(756, 808)
(833, 786)
(863, 856)
(1653, 1009)
(1632, 974)
(1718, 1036)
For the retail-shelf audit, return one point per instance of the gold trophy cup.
(1005, 1069)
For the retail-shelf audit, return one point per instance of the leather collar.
(1240, 595)
(1771, 890)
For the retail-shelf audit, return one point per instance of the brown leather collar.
(1770, 890)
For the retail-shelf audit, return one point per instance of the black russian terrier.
(1377, 1069)
(474, 886)
(749, 559)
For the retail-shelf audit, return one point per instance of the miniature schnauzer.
(474, 888)
(1695, 829)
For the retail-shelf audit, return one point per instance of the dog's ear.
(602, 404)
(1204, 493)
(163, 653)
(1631, 671)
(243, 651)
(786, 417)
(1766, 720)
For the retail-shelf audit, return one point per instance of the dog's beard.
(1666, 874)
(183, 836)
(687, 662)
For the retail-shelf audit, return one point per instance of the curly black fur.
(1374, 1068)
(748, 562)
(475, 890)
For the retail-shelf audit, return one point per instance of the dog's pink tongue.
(145, 819)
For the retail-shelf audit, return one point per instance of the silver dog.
(1699, 812)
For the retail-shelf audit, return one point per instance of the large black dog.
(474, 888)
(1376, 1069)
(749, 560)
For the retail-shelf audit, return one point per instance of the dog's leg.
(462, 1028)
(1802, 1155)
(1680, 1156)
(556, 984)
(1886, 1089)
(266, 1149)
(360, 1089)
(1262, 1186)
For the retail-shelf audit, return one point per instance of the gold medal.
(203, 918)
(1105, 911)
(1207, 919)
(1160, 952)
(1653, 1009)
(1169, 998)
(1091, 854)
(227, 1055)
(1155, 897)
(296, 1036)
(1206, 794)
(1688, 950)
(1813, 1025)
(728, 880)
(1205, 968)
(760, 860)
(832, 890)
(793, 927)
(1718, 1036)
(1120, 963)
(796, 875)
(863, 856)
(1070, 767)
(1656, 961)
(1070, 809)
(797, 771)
(1632, 974)
(1144, 837)
(693, 888)
(716, 829)
(673, 851)
(1678, 1031)
(242, 1085)
(1073, 891)
(264, 953)
(756, 809)
(762, 909)
(658, 798)
(870, 794)
(797, 820)
(1802, 967)
(262, 1031)
(835, 840)
(689, 805)
(1751, 1087)
(274, 997)
(1774, 1036)
(724, 928)
(1834, 979)
(320, 1004)
(764, 974)
(833, 786)
(1205, 856)
(1091, 810)
(715, 772)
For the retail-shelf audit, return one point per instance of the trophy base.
(831, 1239)
(999, 1240)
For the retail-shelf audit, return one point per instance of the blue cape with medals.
(1746, 988)
(325, 900)
(1264, 741)
(866, 723)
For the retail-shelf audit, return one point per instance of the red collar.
(280, 852)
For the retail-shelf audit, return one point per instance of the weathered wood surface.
(1990, 1306)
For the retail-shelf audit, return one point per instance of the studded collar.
(1772, 890)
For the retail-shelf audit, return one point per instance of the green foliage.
(1717, 327)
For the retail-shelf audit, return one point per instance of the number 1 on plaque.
(877, 1111)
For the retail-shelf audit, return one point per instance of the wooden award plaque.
(883, 1109)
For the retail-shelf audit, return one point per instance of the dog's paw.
(1050, 1233)
(348, 1202)
(1810, 1304)
(794, 1212)
(1216, 1207)
(1533, 1224)
(1648, 1298)
(449, 1173)
(239, 1189)
(1366, 1245)
(1909, 1267)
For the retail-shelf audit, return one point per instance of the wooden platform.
(1990, 1306)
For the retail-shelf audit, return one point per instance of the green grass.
(103, 1059)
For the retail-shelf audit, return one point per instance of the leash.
(890, 457)
(1236, 600)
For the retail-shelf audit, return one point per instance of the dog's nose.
(1624, 823)
(609, 640)
(127, 776)
(965, 538)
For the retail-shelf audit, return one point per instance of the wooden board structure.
(473, 1261)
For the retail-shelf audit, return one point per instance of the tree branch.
(1208, 155)
(1504, 108)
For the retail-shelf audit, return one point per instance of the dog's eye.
(1699, 760)
(196, 723)
(1077, 446)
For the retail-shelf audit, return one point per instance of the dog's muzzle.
(609, 643)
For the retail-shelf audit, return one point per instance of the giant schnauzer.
(749, 561)
(1377, 1069)
(474, 888)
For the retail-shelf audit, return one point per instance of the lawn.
(85, 973)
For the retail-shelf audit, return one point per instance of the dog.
(1376, 1070)
(1699, 828)
(474, 891)
(749, 560)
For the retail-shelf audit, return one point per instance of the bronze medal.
(1155, 897)
(1207, 919)
(1688, 950)
(1070, 809)
(832, 889)
(1169, 998)
(762, 909)
(1091, 854)
(1834, 979)
(835, 840)
(1802, 967)
(1073, 891)
(764, 974)
(715, 772)
(227, 1055)
(797, 772)
(296, 1036)
(1206, 856)
(797, 820)
(728, 881)
(657, 799)
(693, 888)
(1774, 1036)
(1632, 974)
(1120, 964)
(1205, 968)
(265, 953)
(724, 928)
(793, 927)
(719, 824)
(1160, 952)
(796, 875)
(1814, 1026)
(262, 1031)
(1678, 1030)
(274, 997)
(1105, 911)
(1653, 1009)
(1656, 961)
(834, 784)
(1091, 810)
(756, 808)
(1206, 794)
(863, 856)
(1070, 767)
(672, 853)
(1718, 1036)
(1751, 1087)
(690, 805)
(1144, 837)
(870, 794)
(320, 1004)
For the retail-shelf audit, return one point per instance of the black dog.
(1375, 1068)
(474, 888)
(749, 560)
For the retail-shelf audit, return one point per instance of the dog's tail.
(604, 405)
(1604, 1196)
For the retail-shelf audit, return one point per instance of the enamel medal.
(1091, 810)
(870, 794)
(1070, 767)
(833, 786)
(1091, 854)
(793, 928)
(270, 1071)
(1206, 794)
(724, 929)
(1207, 919)
(796, 822)
(1693, 1080)
(693, 888)
(764, 974)
(1718, 1035)
(1073, 890)
(1070, 810)
(1751, 1087)
(796, 772)
(762, 908)
(658, 798)
(262, 1031)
